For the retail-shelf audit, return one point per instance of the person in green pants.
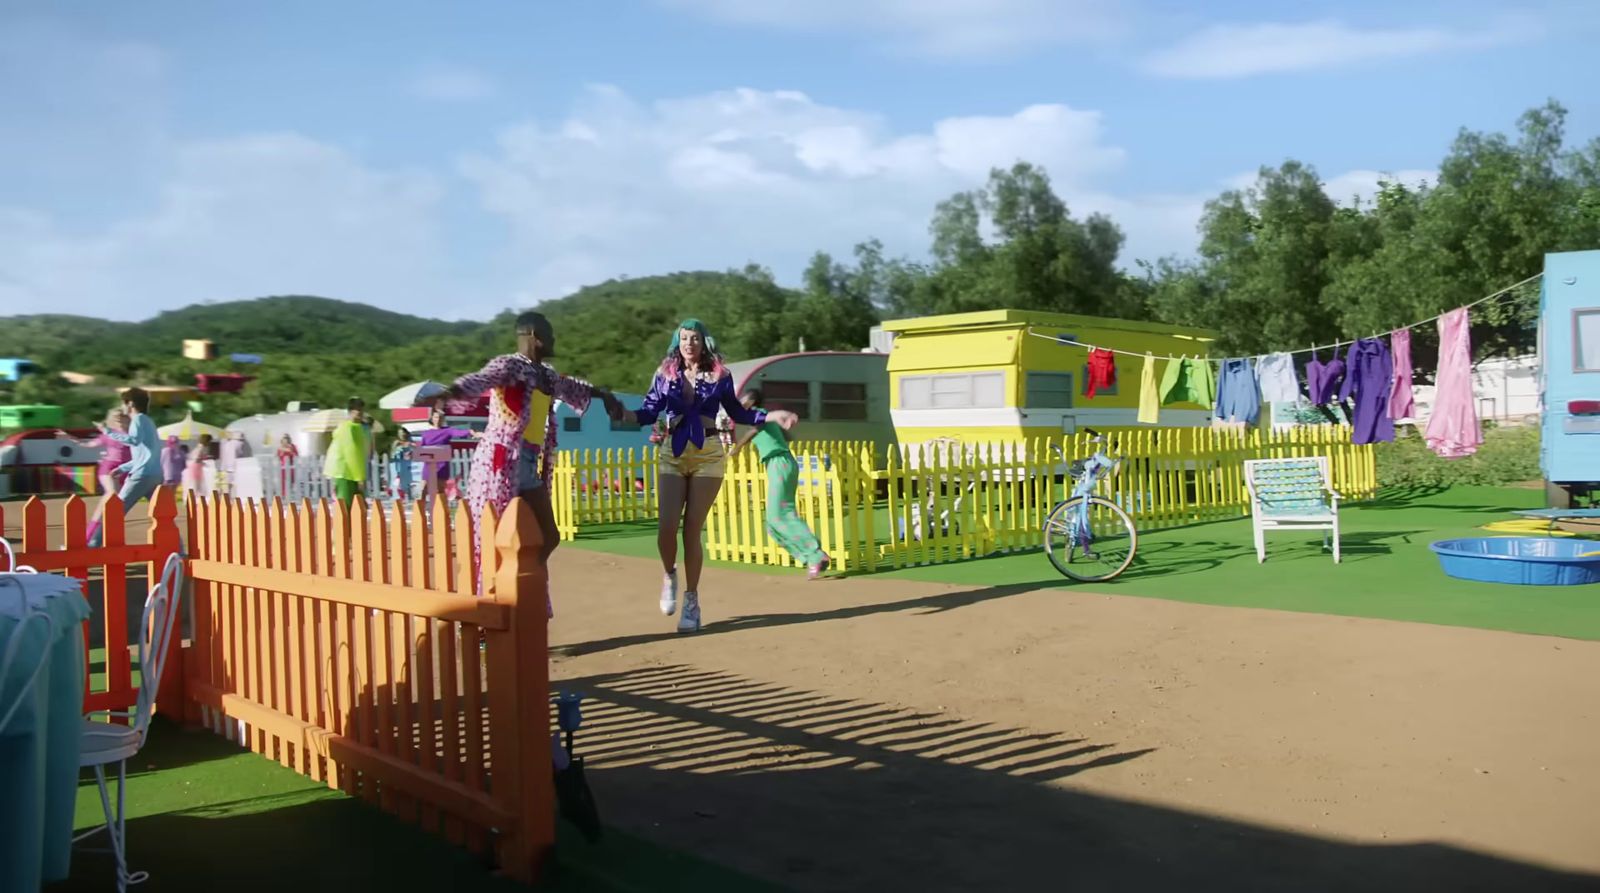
(771, 444)
(348, 452)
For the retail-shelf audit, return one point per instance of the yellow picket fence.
(591, 487)
(950, 501)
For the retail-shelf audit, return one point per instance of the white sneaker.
(669, 593)
(689, 620)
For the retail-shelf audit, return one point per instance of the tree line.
(1281, 264)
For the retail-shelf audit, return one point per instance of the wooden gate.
(350, 648)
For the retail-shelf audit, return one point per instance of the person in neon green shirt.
(771, 443)
(348, 452)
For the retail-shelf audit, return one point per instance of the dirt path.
(886, 735)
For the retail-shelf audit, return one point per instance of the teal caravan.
(838, 395)
(1569, 336)
(594, 430)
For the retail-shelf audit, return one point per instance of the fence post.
(519, 694)
(168, 541)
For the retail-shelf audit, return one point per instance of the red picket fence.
(75, 558)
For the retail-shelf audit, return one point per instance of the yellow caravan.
(1003, 375)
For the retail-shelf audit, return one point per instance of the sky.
(453, 160)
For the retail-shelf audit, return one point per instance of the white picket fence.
(303, 478)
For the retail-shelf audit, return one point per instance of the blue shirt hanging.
(1238, 393)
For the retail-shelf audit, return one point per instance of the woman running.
(689, 388)
(783, 479)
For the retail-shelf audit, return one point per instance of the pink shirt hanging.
(1401, 402)
(1453, 430)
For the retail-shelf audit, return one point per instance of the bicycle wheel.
(1090, 540)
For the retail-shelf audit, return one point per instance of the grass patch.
(1388, 571)
(205, 814)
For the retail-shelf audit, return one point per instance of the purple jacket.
(1369, 377)
(688, 413)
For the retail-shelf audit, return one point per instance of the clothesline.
(1501, 293)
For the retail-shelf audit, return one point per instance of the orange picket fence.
(350, 647)
(75, 558)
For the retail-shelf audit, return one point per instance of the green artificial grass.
(205, 814)
(1388, 571)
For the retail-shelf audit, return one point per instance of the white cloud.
(1352, 186)
(943, 28)
(237, 218)
(442, 84)
(715, 181)
(1363, 185)
(1235, 51)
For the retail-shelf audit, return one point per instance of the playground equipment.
(223, 383)
(1569, 336)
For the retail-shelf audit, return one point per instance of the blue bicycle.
(1089, 538)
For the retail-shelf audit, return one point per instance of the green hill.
(326, 351)
(275, 325)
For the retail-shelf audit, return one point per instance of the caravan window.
(977, 390)
(794, 396)
(844, 401)
(1049, 390)
(572, 424)
(1586, 340)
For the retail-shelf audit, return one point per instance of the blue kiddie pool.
(1525, 560)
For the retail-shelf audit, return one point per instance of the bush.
(1507, 456)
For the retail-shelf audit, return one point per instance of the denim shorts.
(528, 477)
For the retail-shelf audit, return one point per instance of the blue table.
(39, 747)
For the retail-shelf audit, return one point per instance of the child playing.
(783, 479)
(113, 454)
(400, 462)
(142, 472)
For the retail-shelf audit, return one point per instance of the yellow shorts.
(704, 461)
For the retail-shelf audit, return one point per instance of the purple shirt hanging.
(1369, 377)
(1322, 379)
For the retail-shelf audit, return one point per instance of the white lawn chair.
(107, 743)
(1292, 494)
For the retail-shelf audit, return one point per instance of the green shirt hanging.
(1188, 381)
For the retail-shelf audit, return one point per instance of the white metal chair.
(107, 743)
(1292, 494)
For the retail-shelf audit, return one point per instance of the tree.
(834, 310)
(1263, 265)
(1498, 207)
(1040, 258)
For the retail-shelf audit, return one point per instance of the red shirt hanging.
(1102, 370)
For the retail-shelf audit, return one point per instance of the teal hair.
(674, 358)
(693, 325)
